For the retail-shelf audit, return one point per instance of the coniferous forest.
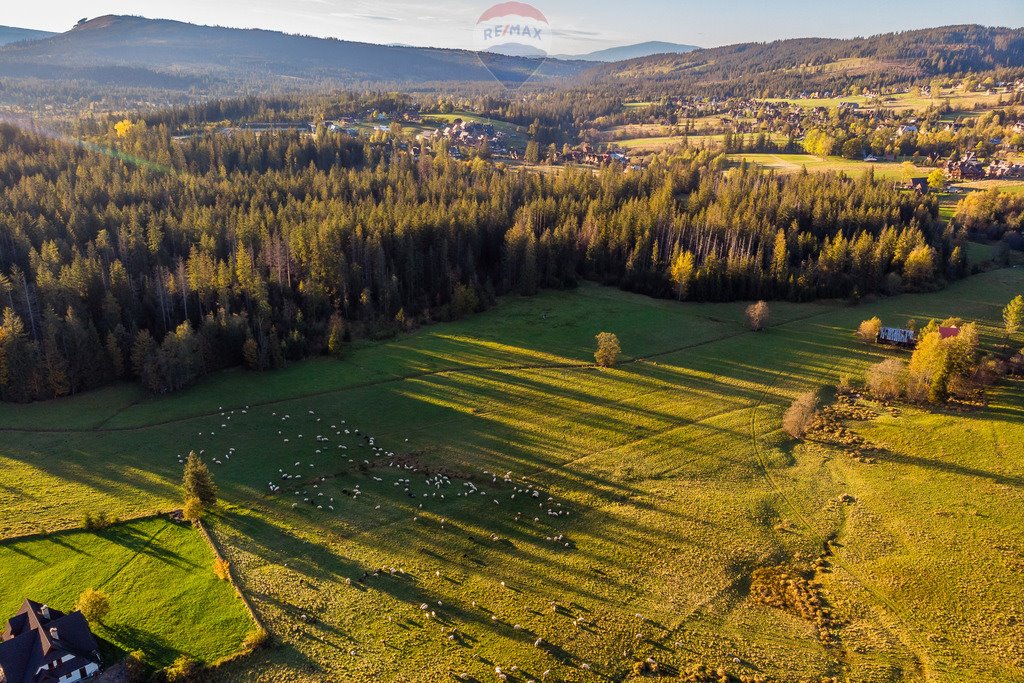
(138, 256)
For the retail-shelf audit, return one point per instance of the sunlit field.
(158, 575)
(795, 163)
(478, 495)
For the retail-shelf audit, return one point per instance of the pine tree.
(197, 482)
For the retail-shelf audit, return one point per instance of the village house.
(919, 185)
(1005, 170)
(43, 645)
(968, 168)
(897, 336)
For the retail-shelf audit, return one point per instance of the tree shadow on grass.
(278, 545)
(158, 649)
(141, 543)
(948, 467)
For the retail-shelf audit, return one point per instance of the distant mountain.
(617, 54)
(823, 64)
(157, 53)
(10, 34)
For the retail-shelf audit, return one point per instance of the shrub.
(800, 415)
(182, 670)
(256, 639)
(93, 604)
(193, 510)
(868, 330)
(757, 316)
(135, 668)
(98, 521)
(222, 568)
(886, 380)
(608, 350)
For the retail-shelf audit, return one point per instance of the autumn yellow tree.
(682, 273)
(123, 128)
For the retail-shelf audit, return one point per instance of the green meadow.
(795, 163)
(164, 597)
(478, 495)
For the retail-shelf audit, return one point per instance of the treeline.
(133, 255)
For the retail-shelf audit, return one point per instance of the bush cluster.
(790, 590)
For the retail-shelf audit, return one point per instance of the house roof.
(947, 332)
(37, 635)
(896, 334)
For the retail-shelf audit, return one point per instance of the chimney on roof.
(45, 609)
(53, 633)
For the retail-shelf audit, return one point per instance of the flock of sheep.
(329, 459)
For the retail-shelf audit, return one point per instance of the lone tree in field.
(886, 380)
(1013, 315)
(869, 329)
(757, 316)
(608, 350)
(800, 416)
(197, 482)
(93, 604)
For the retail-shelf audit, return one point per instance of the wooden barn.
(897, 336)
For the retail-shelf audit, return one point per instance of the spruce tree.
(197, 482)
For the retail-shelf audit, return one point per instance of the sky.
(578, 26)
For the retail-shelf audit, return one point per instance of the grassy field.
(958, 100)
(512, 491)
(164, 597)
(794, 163)
(1010, 186)
(654, 144)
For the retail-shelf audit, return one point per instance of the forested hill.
(215, 251)
(788, 67)
(135, 51)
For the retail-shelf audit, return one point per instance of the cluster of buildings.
(1005, 170)
(466, 133)
(967, 168)
(587, 154)
(971, 168)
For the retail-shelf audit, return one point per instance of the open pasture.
(504, 503)
(795, 163)
(164, 597)
(957, 99)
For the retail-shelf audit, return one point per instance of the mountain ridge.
(165, 50)
(800, 64)
(632, 51)
(14, 34)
